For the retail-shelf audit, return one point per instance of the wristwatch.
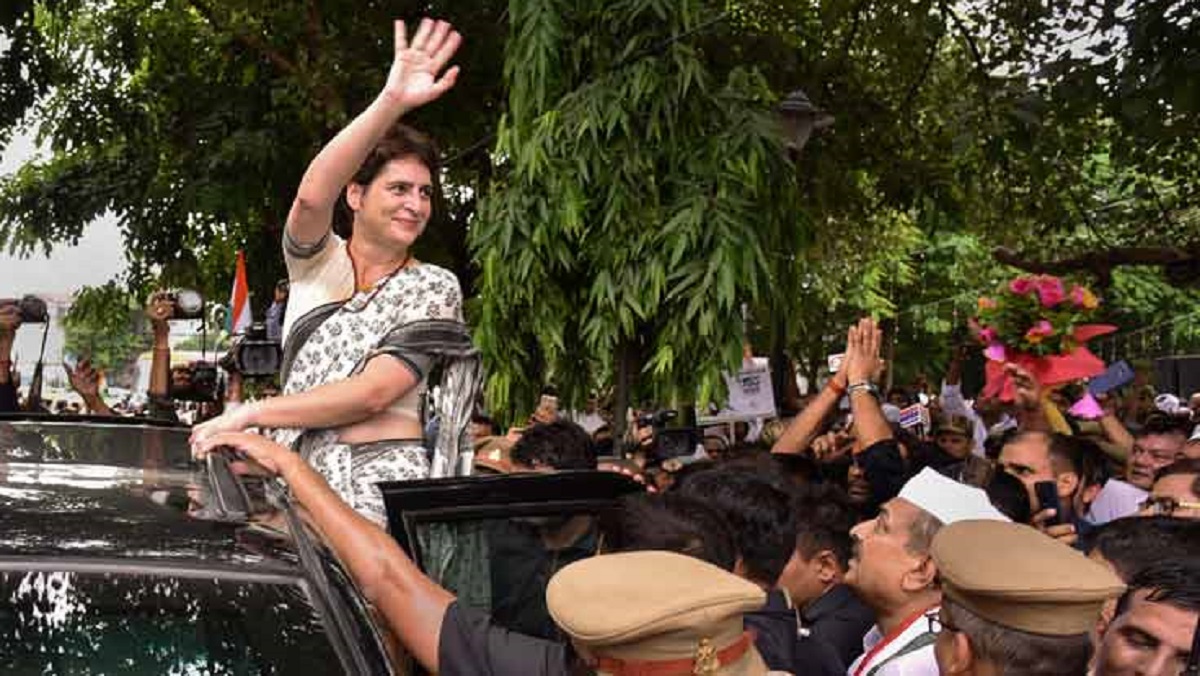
(863, 386)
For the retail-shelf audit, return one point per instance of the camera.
(185, 303)
(253, 355)
(32, 309)
(657, 419)
(197, 381)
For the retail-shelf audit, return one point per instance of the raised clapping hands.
(862, 352)
(413, 79)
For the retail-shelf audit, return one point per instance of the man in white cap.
(893, 573)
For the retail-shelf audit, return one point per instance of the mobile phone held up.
(1117, 375)
(1047, 498)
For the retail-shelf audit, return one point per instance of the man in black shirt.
(758, 507)
(813, 576)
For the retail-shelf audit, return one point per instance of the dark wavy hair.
(402, 141)
(758, 510)
(560, 445)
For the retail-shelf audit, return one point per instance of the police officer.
(1015, 601)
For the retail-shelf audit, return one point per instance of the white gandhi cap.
(947, 499)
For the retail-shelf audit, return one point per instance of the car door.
(495, 541)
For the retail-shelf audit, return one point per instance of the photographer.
(160, 404)
(10, 321)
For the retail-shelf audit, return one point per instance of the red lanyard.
(892, 636)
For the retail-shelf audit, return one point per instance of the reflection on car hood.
(84, 490)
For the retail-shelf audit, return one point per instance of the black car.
(120, 555)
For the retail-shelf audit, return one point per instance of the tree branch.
(313, 26)
(329, 98)
(925, 68)
(1101, 263)
(252, 42)
(970, 39)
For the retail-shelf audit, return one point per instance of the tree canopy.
(617, 190)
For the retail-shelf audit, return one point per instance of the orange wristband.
(838, 389)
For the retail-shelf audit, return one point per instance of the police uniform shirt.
(470, 644)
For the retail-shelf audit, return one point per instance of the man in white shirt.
(892, 572)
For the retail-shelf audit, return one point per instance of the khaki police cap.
(1015, 576)
(654, 607)
(956, 424)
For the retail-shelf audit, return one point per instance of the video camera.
(185, 303)
(657, 420)
(33, 310)
(667, 443)
(197, 381)
(253, 355)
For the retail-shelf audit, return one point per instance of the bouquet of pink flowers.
(1041, 325)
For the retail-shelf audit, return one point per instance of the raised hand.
(84, 379)
(1027, 390)
(414, 78)
(159, 309)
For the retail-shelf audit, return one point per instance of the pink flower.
(986, 303)
(1040, 331)
(988, 335)
(996, 352)
(1021, 286)
(1050, 291)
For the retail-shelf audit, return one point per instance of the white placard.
(750, 391)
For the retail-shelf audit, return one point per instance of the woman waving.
(366, 322)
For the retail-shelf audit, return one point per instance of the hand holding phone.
(1047, 498)
(1117, 375)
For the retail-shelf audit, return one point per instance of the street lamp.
(800, 118)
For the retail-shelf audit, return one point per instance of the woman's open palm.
(414, 78)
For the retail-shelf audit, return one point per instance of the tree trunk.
(780, 368)
(626, 360)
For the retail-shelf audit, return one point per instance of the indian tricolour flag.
(239, 301)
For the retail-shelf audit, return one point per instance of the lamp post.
(800, 119)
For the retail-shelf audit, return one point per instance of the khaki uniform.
(1016, 577)
(656, 613)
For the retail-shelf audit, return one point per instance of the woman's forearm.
(339, 403)
(334, 167)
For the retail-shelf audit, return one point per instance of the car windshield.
(58, 622)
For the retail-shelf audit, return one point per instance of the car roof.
(112, 489)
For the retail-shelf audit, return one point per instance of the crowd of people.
(1008, 538)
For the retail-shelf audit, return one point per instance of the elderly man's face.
(1150, 454)
(882, 568)
(1148, 639)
